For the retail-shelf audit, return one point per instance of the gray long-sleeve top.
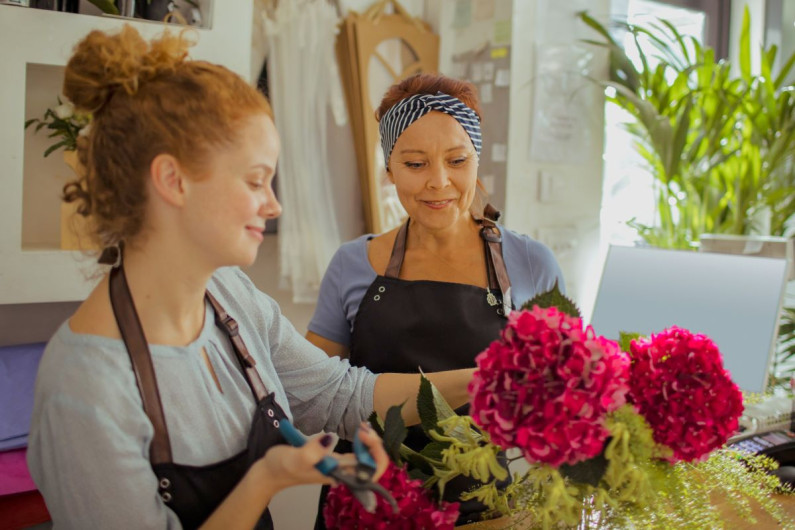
(89, 440)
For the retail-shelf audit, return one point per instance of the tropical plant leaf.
(554, 298)
(432, 406)
(745, 45)
(394, 432)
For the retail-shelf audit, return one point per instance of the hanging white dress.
(303, 80)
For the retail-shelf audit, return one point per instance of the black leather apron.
(194, 492)
(403, 326)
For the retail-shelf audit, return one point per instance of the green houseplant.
(720, 146)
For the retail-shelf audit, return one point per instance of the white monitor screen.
(733, 299)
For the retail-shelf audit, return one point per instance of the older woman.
(433, 293)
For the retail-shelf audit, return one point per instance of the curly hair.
(146, 98)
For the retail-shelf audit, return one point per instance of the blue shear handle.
(296, 439)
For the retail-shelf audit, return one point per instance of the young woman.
(433, 293)
(158, 403)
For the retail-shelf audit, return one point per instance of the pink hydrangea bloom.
(546, 386)
(679, 385)
(417, 509)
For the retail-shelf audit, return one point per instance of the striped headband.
(407, 111)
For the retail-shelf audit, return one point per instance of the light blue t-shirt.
(531, 267)
(90, 437)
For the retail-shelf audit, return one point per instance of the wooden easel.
(358, 40)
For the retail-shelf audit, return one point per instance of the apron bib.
(194, 492)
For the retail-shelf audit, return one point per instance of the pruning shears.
(358, 478)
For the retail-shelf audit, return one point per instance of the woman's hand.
(284, 466)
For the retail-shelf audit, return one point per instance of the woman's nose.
(271, 208)
(438, 177)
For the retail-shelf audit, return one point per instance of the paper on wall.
(502, 32)
(488, 71)
(462, 16)
(477, 72)
(503, 78)
(486, 94)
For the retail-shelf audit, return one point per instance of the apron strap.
(496, 265)
(398, 252)
(133, 336)
(247, 362)
(498, 274)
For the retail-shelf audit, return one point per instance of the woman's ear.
(168, 179)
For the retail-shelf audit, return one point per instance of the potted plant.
(66, 126)
(720, 147)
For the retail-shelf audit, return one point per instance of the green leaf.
(415, 460)
(30, 122)
(376, 423)
(588, 471)
(784, 72)
(625, 338)
(55, 146)
(418, 474)
(554, 298)
(594, 24)
(745, 45)
(394, 432)
(433, 450)
(107, 6)
(432, 407)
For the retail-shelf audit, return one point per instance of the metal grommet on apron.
(194, 492)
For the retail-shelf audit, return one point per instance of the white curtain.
(303, 81)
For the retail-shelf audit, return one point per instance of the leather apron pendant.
(194, 492)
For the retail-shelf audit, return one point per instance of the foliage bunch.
(65, 125)
(719, 146)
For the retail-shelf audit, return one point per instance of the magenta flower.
(679, 385)
(417, 509)
(546, 386)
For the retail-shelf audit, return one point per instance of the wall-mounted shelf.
(35, 45)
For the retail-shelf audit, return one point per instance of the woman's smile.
(256, 231)
(437, 205)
